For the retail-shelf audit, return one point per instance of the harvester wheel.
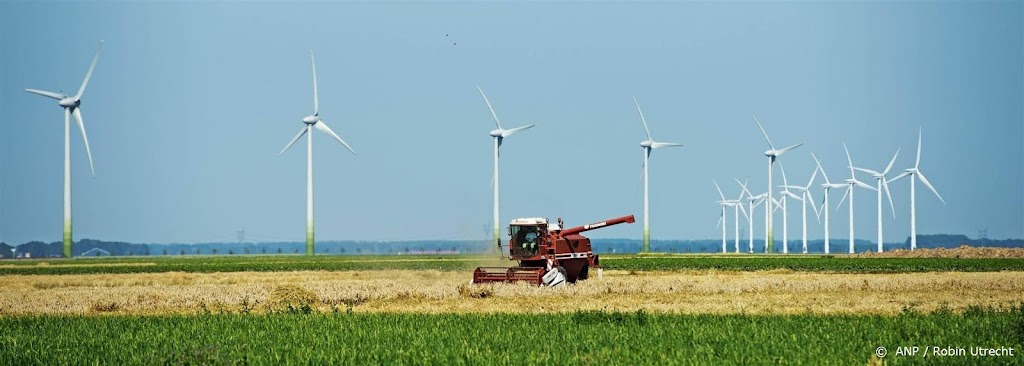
(584, 272)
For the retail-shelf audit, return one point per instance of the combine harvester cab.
(547, 254)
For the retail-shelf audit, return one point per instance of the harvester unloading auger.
(547, 254)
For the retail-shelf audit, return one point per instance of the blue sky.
(191, 102)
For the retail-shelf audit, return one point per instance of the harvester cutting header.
(547, 254)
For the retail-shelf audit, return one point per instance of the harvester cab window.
(525, 241)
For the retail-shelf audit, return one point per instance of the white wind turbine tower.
(752, 203)
(499, 135)
(648, 145)
(72, 107)
(915, 173)
(312, 121)
(737, 206)
(824, 204)
(721, 218)
(772, 154)
(850, 183)
(882, 186)
(805, 198)
(784, 194)
(782, 203)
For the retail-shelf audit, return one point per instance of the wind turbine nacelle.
(69, 102)
(646, 143)
(770, 153)
(496, 133)
(310, 120)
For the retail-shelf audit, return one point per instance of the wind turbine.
(805, 198)
(751, 199)
(824, 204)
(648, 145)
(772, 154)
(915, 173)
(737, 206)
(72, 107)
(499, 135)
(312, 121)
(850, 183)
(882, 185)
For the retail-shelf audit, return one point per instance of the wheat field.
(416, 291)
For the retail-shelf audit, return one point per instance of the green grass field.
(573, 338)
(272, 263)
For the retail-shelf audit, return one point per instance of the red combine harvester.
(547, 254)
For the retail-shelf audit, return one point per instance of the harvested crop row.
(716, 292)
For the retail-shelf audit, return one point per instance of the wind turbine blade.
(720, 217)
(885, 187)
(320, 125)
(810, 182)
(864, 185)
(918, 161)
(763, 133)
(507, 133)
(301, 132)
(848, 159)
(847, 193)
(783, 151)
(720, 194)
(47, 94)
(744, 186)
(642, 119)
(869, 171)
(818, 163)
(744, 211)
(643, 165)
(658, 145)
(898, 177)
(929, 185)
(784, 180)
(89, 74)
(888, 167)
(495, 115)
(316, 95)
(81, 126)
(813, 206)
(741, 193)
(792, 195)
